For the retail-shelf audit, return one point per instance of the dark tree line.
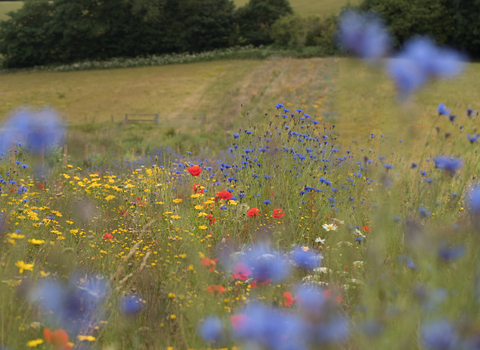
(64, 31)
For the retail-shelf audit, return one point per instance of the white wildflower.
(330, 227)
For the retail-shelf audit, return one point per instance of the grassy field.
(313, 7)
(225, 91)
(7, 6)
(187, 250)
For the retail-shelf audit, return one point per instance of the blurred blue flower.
(74, 307)
(448, 164)
(473, 138)
(306, 258)
(211, 329)
(363, 34)
(421, 60)
(131, 304)
(271, 328)
(38, 129)
(451, 254)
(266, 264)
(474, 199)
(442, 109)
(439, 335)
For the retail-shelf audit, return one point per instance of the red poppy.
(366, 228)
(278, 213)
(59, 339)
(209, 263)
(107, 236)
(253, 212)
(211, 218)
(195, 170)
(223, 195)
(216, 288)
(256, 283)
(238, 321)
(196, 188)
(241, 272)
(12, 190)
(289, 298)
(338, 299)
(40, 186)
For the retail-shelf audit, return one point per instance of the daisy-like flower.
(320, 240)
(330, 227)
(359, 233)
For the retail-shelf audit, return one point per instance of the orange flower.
(59, 339)
(366, 228)
(289, 298)
(196, 188)
(40, 186)
(253, 212)
(216, 288)
(195, 170)
(209, 263)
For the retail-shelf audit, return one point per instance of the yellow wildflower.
(177, 200)
(22, 266)
(36, 241)
(34, 343)
(86, 337)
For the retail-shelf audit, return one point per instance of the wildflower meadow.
(291, 238)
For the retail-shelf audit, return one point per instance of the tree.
(407, 18)
(256, 18)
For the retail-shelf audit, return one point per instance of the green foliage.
(295, 31)
(466, 34)
(256, 18)
(407, 18)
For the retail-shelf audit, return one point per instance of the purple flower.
(363, 34)
(451, 254)
(266, 264)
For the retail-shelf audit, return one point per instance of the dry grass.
(7, 6)
(313, 7)
(217, 89)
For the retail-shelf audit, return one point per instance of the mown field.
(313, 7)
(7, 6)
(303, 7)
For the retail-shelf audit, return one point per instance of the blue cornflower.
(364, 35)
(442, 109)
(236, 135)
(131, 304)
(211, 329)
(424, 212)
(306, 258)
(448, 164)
(266, 202)
(266, 264)
(439, 335)
(40, 130)
(473, 138)
(421, 60)
(451, 254)
(474, 199)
